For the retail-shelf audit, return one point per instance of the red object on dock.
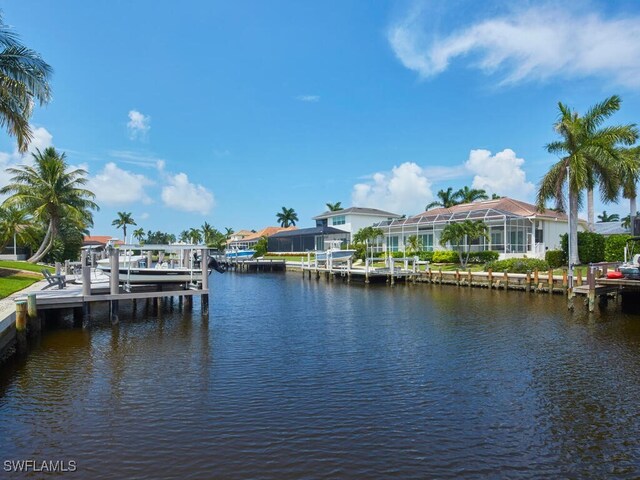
(615, 275)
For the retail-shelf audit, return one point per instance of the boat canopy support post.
(204, 264)
(114, 258)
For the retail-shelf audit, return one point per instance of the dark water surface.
(292, 378)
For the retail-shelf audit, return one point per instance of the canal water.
(292, 378)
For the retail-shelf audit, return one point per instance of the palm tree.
(591, 154)
(614, 217)
(50, 192)
(448, 198)
(208, 232)
(228, 232)
(16, 225)
(288, 217)
(24, 81)
(334, 207)
(365, 236)
(626, 221)
(468, 195)
(124, 219)
(495, 196)
(138, 234)
(461, 234)
(413, 244)
(195, 236)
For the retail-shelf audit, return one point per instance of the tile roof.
(358, 211)
(99, 239)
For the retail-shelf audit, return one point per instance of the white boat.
(631, 269)
(138, 275)
(334, 253)
(236, 254)
(124, 260)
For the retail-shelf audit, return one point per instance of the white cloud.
(138, 125)
(405, 189)
(501, 173)
(136, 158)
(308, 98)
(537, 43)
(114, 186)
(181, 194)
(144, 216)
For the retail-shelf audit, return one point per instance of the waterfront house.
(246, 239)
(305, 239)
(516, 228)
(352, 219)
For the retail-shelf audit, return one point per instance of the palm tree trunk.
(590, 212)
(633, 209)
(44, 246)
(573, 227)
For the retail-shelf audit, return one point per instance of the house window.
(392, 244)
(427, 242)
(497, 242)
(339, 220)
(539, 236)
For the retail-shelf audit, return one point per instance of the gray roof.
(610, 228)
(357, 210)
(307, 231)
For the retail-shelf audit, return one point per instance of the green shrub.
(425, 256)
(590, 247)
(445, 256)
(484, 256)
(517, 265)
(614, 247)
(555, 258)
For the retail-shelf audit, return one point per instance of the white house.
(516, 228)
(352, 219)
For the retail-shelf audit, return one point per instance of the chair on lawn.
(53, 280)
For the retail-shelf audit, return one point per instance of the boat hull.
(240, 255)
(157, 275)
(336, 256)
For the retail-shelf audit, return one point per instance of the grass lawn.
(30, 267)
(16, 282)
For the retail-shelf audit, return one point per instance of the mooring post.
(565, 280)
(506, 280)
(490, 274)
(535, 279)
(21, 325)
(66, 267)
(550, 281)
(114, 257)
(591, 281)
(457, 277)
(149, 258)
(527, 282)
(204, 263)
(366, 270)
(468, 277)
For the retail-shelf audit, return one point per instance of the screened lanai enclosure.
(508, 233)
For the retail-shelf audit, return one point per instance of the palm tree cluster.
(448, 198)
(591, 155)
(54, 197)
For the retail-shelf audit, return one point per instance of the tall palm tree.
(228, 231)
(460, 235)
(604, 217)
(288, 217)
(334, 207)
(592, 156)
(208, 232)
(468, 195)
(138, 234)
(195, 236)
(413, 245)
(50, 191)
(447, 198)
(124, 219)
(24, 81)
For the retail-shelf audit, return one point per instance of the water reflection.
(291, 378)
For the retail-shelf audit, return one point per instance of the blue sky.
(226, 111)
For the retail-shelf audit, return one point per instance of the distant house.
(516, 228)
(99, 240)
(610, 228)
(352, 219)
(247, 239)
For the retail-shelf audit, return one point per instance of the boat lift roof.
(150, 246)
